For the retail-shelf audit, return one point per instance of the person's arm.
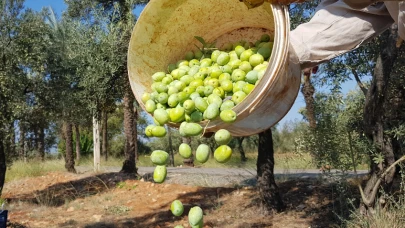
(255, 3)
(337, 28)
(359, 4)
(355, 4)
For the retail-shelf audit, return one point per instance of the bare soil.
(89, 200)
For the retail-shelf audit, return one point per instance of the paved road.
(247, 172)
(222, 177)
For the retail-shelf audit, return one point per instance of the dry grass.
(51, 201)
(20, 169)
(391, 216)
(286, 161)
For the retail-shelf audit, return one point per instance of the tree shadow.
(57, 194)
(327, 199)
(163, 217)
(15, 225)
(323, 202)
(309, 198)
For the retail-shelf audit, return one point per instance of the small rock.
(70, 209)
(97, 217)
(301, 207)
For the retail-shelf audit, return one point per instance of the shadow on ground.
(164, 218)
(313, 199)
(56, 195)
(320, 203)
(325, 204)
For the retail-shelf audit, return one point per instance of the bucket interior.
(166, 30)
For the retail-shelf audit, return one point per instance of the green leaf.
(378, 159)
(202, 41)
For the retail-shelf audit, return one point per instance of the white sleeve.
(359, 4)
(335, 29)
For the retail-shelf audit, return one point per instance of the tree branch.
(369, 202)
(399, 42)
(359, 83)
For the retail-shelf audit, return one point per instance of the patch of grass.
(112, 161)
(117, 210)
(20, 169)
(391, 216)
(362, 167)
(121, 184)
(288, 161)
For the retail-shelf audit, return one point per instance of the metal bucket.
(165, 31)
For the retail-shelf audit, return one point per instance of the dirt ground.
(90, 200)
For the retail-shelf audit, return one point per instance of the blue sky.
(59, 6)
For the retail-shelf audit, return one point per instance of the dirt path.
(110, 199)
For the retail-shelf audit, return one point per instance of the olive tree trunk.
(3, 164)
(41, 143)
(240, 149)
(78, 152)
(69, 157)
(135, 129)
(129, 165)
(22, 143)
(104, 146)
(96, 144)
(380, 111)
(268, 189)
(12, 152)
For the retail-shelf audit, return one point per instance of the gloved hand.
(255, 3)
